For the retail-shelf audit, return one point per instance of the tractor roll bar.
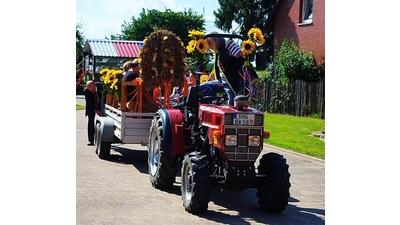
(224, 35)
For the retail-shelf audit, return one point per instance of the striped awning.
(113, 48)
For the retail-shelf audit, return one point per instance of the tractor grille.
(243, 152)
(259, 119)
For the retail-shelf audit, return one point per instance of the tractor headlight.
(230, 140)
(254, 140)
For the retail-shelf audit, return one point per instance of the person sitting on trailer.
(148, 103)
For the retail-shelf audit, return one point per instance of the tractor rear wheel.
(196, 183)
(162, 168)
(273, 190)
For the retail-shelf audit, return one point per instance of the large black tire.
(196, 183)
(102, 148)
(162, 168)
(273, 190)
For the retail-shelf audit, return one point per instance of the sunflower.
(111, 82)
(255, 31)
(203, 78)
(202, 46)
(196, 33)
(114, 84)
(103, 71)
(248, 47)
(260, 39)
(105, 78)
(191, 46)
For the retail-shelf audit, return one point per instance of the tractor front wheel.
(273, 190)
(196, 183)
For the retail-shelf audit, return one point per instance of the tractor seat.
(191, 97)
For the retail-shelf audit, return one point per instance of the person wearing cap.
(131, 74)
(149, 104)
(228, 62)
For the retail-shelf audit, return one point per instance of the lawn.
(293, 133)
(80, 106)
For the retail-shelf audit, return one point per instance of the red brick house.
(302, 21)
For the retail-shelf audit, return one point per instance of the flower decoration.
(202, 46)
(203, 78)
(162, 58)
(248, 46)
(111, 82)
(137, 81)
(256, 34)
(197, 46)
(191, 46)
(195, 34)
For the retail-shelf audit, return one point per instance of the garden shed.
(101, 53)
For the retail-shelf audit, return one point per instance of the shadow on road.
(136, 157)
(232, 207)
(245, 205)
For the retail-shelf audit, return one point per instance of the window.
(307, 11)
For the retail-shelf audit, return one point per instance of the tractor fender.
(107, 128)
(174, 138)
(177, 132)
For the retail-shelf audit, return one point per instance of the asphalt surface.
(118, 191)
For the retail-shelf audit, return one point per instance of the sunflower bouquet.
(111, 82)
(249, 46)
(197, 47)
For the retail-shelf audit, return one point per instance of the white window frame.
(307, 11)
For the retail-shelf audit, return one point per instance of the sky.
(101, 18)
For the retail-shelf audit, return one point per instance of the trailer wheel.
(196, 183)
(273, 190)
(162, 168)
(102, 148)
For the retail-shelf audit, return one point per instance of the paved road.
(118, 191)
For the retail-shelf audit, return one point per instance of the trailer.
(118, 125)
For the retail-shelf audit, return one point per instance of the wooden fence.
(297, 98)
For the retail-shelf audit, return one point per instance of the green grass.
(293, 133)
(79, 106)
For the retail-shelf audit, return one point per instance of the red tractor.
(218, 146)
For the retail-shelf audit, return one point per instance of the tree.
(151, 20)
(80, 41)
(247, 14)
